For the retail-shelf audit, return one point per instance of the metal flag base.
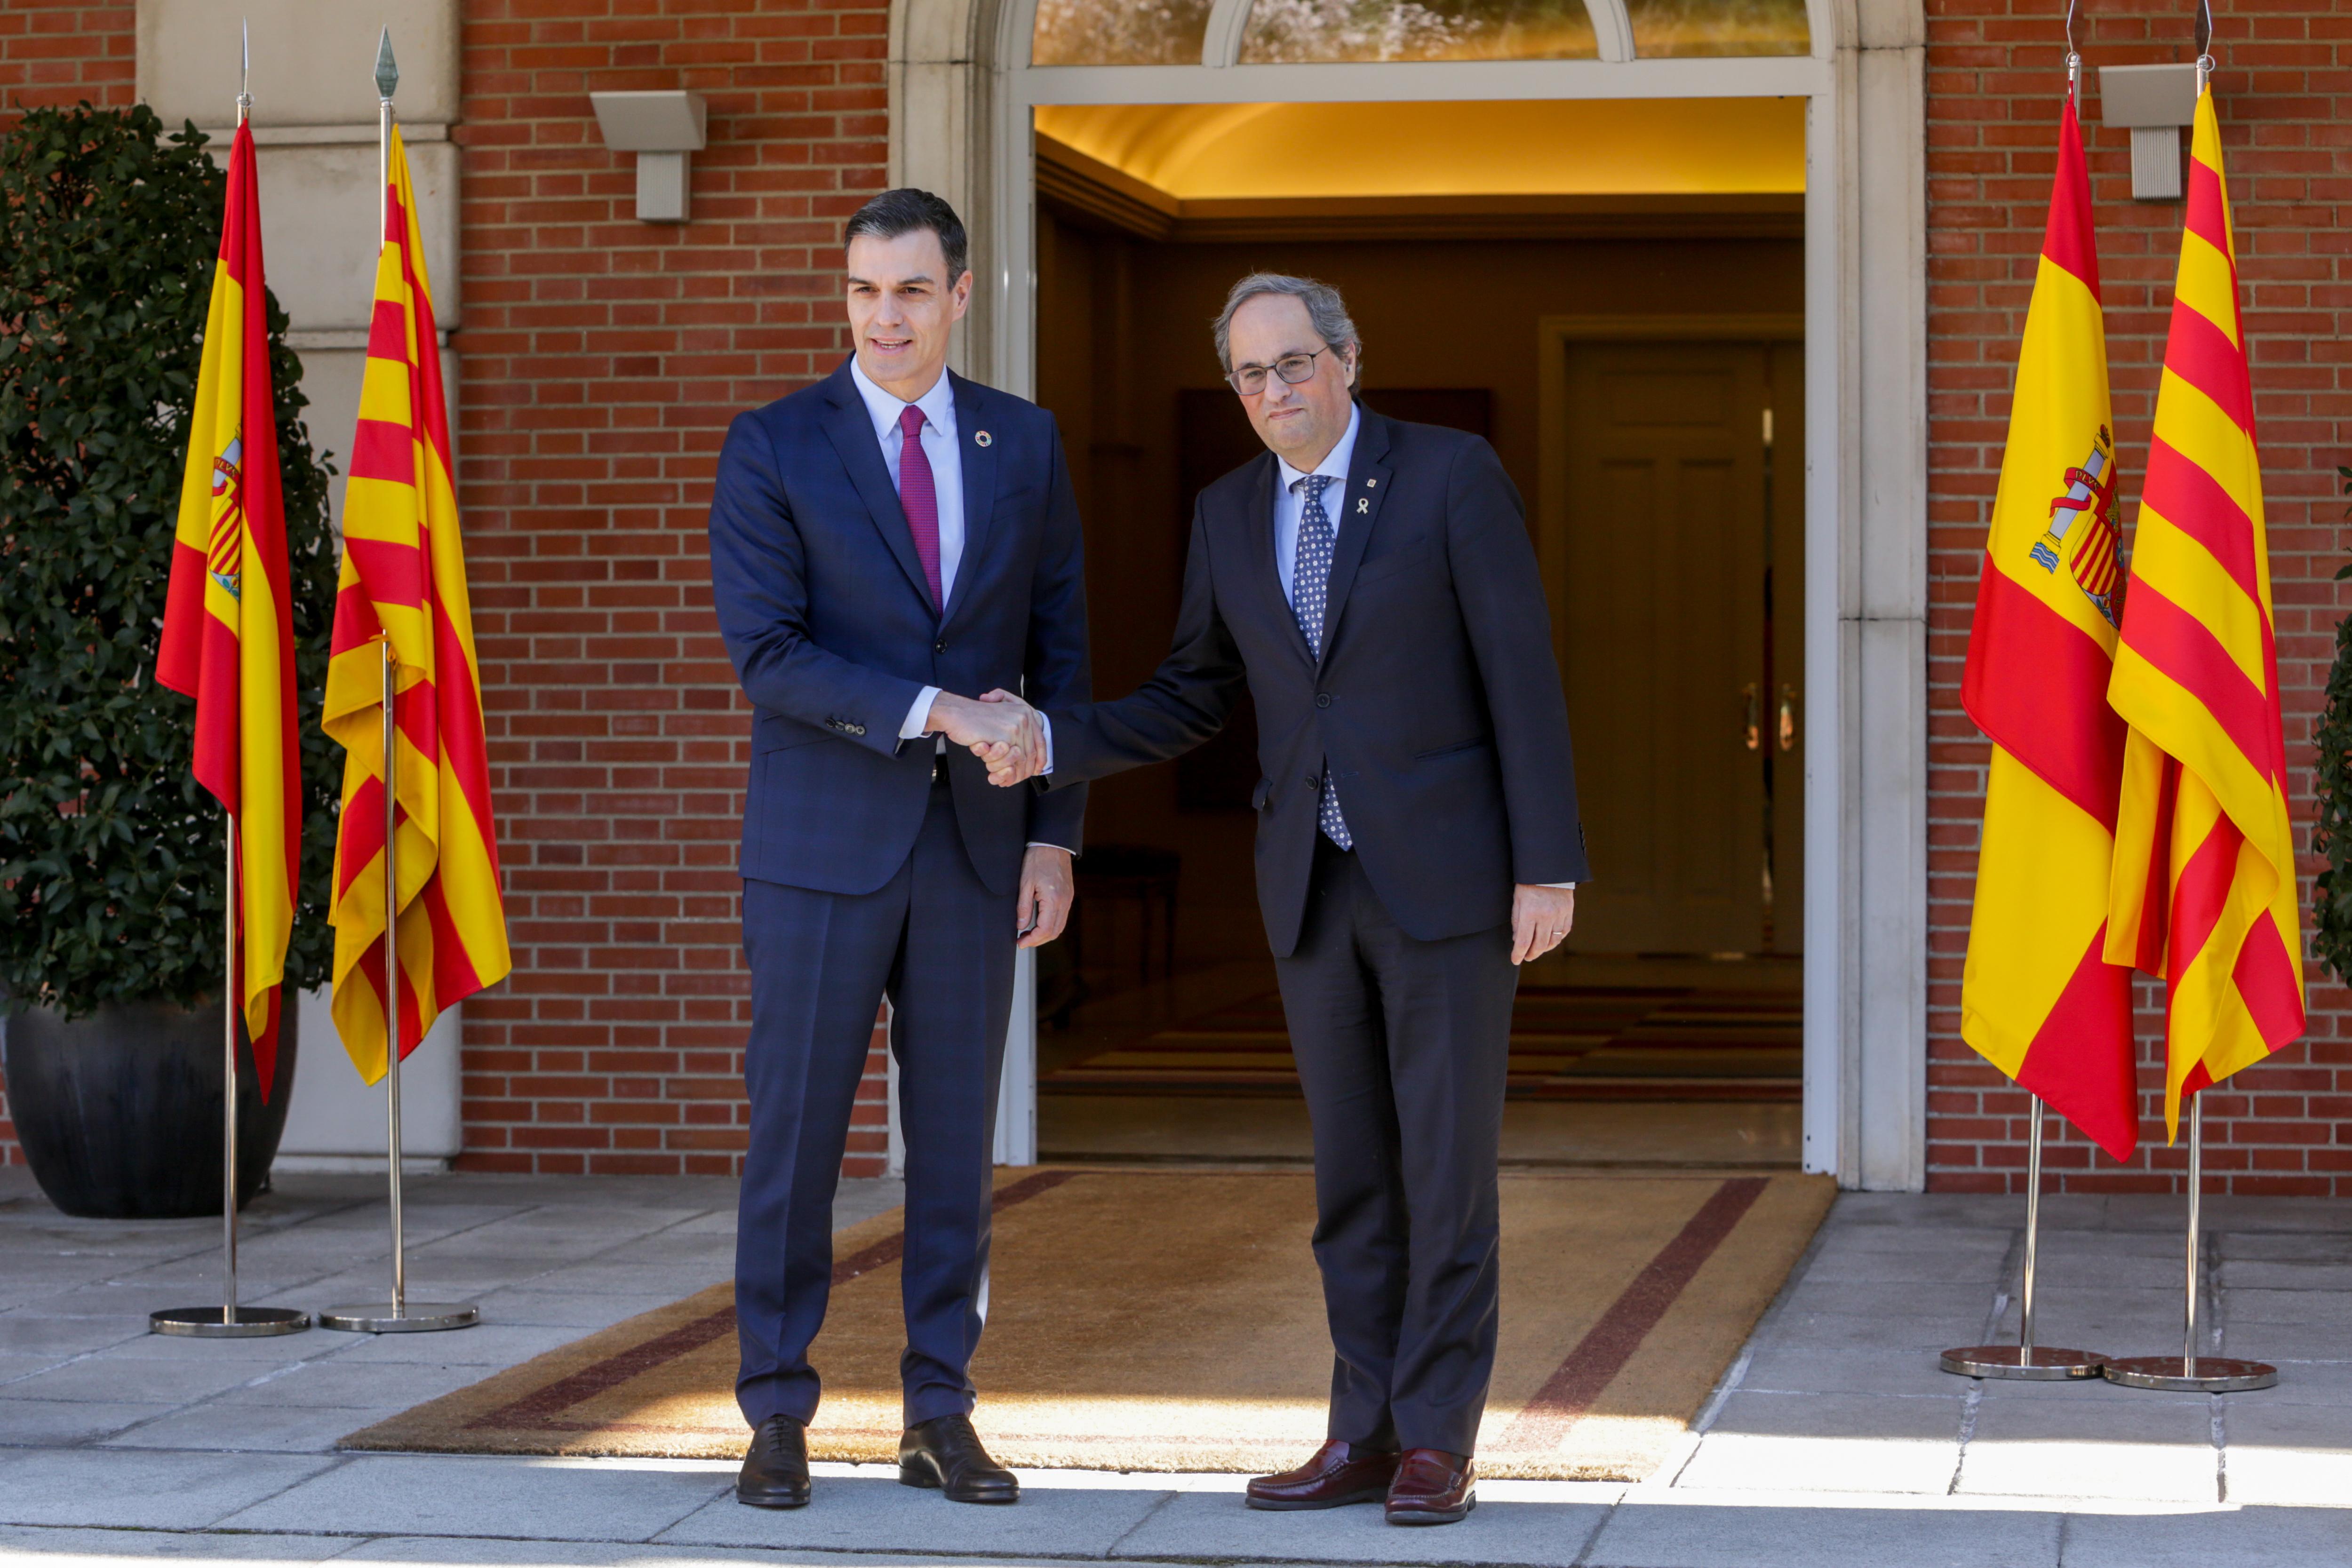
(2025, 1361)
(223, 1323)
(410, 1317)
(2190, 1372)
(2041, 1364)
(2203, 1374)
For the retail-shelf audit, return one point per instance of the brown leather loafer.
(1338, 1474)
(1433, 1486)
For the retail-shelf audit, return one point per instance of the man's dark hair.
(904, 210)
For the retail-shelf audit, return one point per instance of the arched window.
(1331, 32)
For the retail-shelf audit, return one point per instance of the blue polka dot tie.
(1310, 583)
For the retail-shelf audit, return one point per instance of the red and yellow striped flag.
(2037, 998)
(228, 618)
(2204, 892)
(403, 578)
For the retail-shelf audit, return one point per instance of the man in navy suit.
(1372, 583)
(881, 542)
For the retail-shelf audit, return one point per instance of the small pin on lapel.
(981, 438)
(1363, 505)
(1369, 483)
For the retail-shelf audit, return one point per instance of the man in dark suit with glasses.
(1372, 582)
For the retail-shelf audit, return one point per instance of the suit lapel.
(1264, 569)
(850, 428)
(979, 465)
(1359, 510)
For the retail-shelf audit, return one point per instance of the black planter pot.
(119, 1113)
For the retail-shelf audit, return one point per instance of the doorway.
(1161, 1036)
(969, 79)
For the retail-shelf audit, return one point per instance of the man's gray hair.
(1325, 310)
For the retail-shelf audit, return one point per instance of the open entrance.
(1610, 293)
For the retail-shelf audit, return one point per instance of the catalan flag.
(229, 616)
(2204, 891)
(404, 580)
(2038, 997)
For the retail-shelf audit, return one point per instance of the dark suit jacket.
(1436, 704)
(825, 613)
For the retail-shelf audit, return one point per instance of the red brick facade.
(2284, 90)
(603, 359)
(63, 52)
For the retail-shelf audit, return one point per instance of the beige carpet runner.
(1172, 1321)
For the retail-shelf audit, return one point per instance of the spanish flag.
(2204, 891)
(229, 617)
(403, 579)
(2039, 998)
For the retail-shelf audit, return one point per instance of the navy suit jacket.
(1436, 704)
(827, 617)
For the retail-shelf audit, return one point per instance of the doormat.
(1173, 1321)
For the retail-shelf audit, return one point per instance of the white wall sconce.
(2153, 102)
(661, 129)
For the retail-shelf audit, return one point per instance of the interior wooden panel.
(1664, 548)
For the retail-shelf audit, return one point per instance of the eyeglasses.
(1250, 380)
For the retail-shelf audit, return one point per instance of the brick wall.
(2283, 92)
(602, 360)
(63, 52)
(60, 52)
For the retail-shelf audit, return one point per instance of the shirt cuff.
(919, 715)
(1042, 845)
(1569, 885)
(1048, 726)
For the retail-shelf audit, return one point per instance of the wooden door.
(1680, 593)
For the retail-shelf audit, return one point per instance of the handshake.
(1001, 730)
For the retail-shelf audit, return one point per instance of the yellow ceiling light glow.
(1211, 152)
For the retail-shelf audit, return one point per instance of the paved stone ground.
(1833, 1441)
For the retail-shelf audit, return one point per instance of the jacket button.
(1314, 781)
(939, 647)
(1322, 699)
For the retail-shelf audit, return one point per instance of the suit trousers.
(1403, 1047)
(940, 944)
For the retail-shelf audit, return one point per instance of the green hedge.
(110, 855)
(2331, 831)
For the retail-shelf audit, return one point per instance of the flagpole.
(231, 1004)
(396, 1316)
(2190, 1372)
(230, 1321)
(391, 979)
(2026, 1361)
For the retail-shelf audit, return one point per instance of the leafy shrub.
(2331, 832)
(111, 874)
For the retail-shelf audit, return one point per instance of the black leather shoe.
(775, 1468)
(944, 1453)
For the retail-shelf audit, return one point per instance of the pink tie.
(920, 498)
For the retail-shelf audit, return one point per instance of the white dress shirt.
(885, 408)
(938, 439)
(1290, 501)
